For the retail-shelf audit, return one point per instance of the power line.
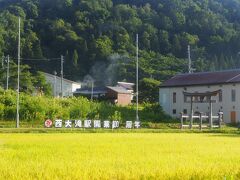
(33, 59)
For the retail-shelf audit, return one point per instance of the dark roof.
(119, 89)
(96, 90)
(203, 78)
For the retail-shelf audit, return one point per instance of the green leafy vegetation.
(151, 90)
(36, 109)
(97, 37)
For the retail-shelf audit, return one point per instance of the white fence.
(201, 117)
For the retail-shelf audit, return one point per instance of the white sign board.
(59, 123)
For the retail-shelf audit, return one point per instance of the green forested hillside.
(97, 37)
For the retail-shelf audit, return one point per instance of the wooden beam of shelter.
(204, 101)
(197, 94)
(201, 96)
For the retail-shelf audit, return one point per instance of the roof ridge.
(60, 78)
(203, 78)
(115, 88)
(233, 78)
(206, 72)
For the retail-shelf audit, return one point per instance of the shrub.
(39, 108)
(80, 108)
(1, 111)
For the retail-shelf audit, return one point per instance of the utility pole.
(62, 75)
(137, 117)
(55, 84)
(92, 91)
(18, 82)
(189, 60)
(7, 71)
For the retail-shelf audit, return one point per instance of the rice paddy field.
(119, 156)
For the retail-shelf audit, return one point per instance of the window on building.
(185, 111)
(220, 96)
(233, 95)
(174, 111)
(174, 97)
(202, 98)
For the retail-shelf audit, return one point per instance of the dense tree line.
(98, 37)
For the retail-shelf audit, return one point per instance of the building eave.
(191, 85)
(59, 78)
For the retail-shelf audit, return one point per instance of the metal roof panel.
(203, 78)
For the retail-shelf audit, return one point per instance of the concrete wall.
(75, 86)
(226, 106)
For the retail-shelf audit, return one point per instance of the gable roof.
(203, 78)
(119, 89)
(59, 78)
(95, 90)
(126, 85)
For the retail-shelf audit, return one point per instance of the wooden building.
(119, 95)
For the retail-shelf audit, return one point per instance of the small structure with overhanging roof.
(205, 97)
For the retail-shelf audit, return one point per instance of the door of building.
(233, 117)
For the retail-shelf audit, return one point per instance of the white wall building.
(228, 101)
(68, 86)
